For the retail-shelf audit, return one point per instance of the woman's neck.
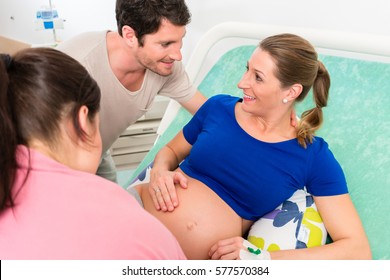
(275, 128)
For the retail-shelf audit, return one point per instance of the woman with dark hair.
(52, 206)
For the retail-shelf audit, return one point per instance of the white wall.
(17, 17)
(366, 16)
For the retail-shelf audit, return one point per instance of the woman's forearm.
(340, 250)
(166, 159)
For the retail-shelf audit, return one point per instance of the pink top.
(61, 213)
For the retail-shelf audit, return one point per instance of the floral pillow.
(295, 224)
(142, 177)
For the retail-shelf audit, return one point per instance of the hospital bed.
(357, 118)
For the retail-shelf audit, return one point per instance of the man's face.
(161, 49)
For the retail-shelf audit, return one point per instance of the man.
(134, 64)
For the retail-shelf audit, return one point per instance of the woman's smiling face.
(262, 90)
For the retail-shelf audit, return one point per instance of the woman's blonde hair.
(297, 63)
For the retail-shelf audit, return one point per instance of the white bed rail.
(358, 45)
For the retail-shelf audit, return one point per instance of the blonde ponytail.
(312, 119)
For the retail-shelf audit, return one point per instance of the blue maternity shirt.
(252, 176)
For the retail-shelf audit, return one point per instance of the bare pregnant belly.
(201, 219)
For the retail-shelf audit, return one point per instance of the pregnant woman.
(239, 158)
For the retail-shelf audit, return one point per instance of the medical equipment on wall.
(47, 19)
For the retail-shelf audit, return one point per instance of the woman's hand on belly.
(201, 219)
(162, 188)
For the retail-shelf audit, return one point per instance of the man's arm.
(195, 102)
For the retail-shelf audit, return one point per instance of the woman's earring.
(285, 101)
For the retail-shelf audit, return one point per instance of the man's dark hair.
(145, 16)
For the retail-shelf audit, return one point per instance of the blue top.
(252, 176)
